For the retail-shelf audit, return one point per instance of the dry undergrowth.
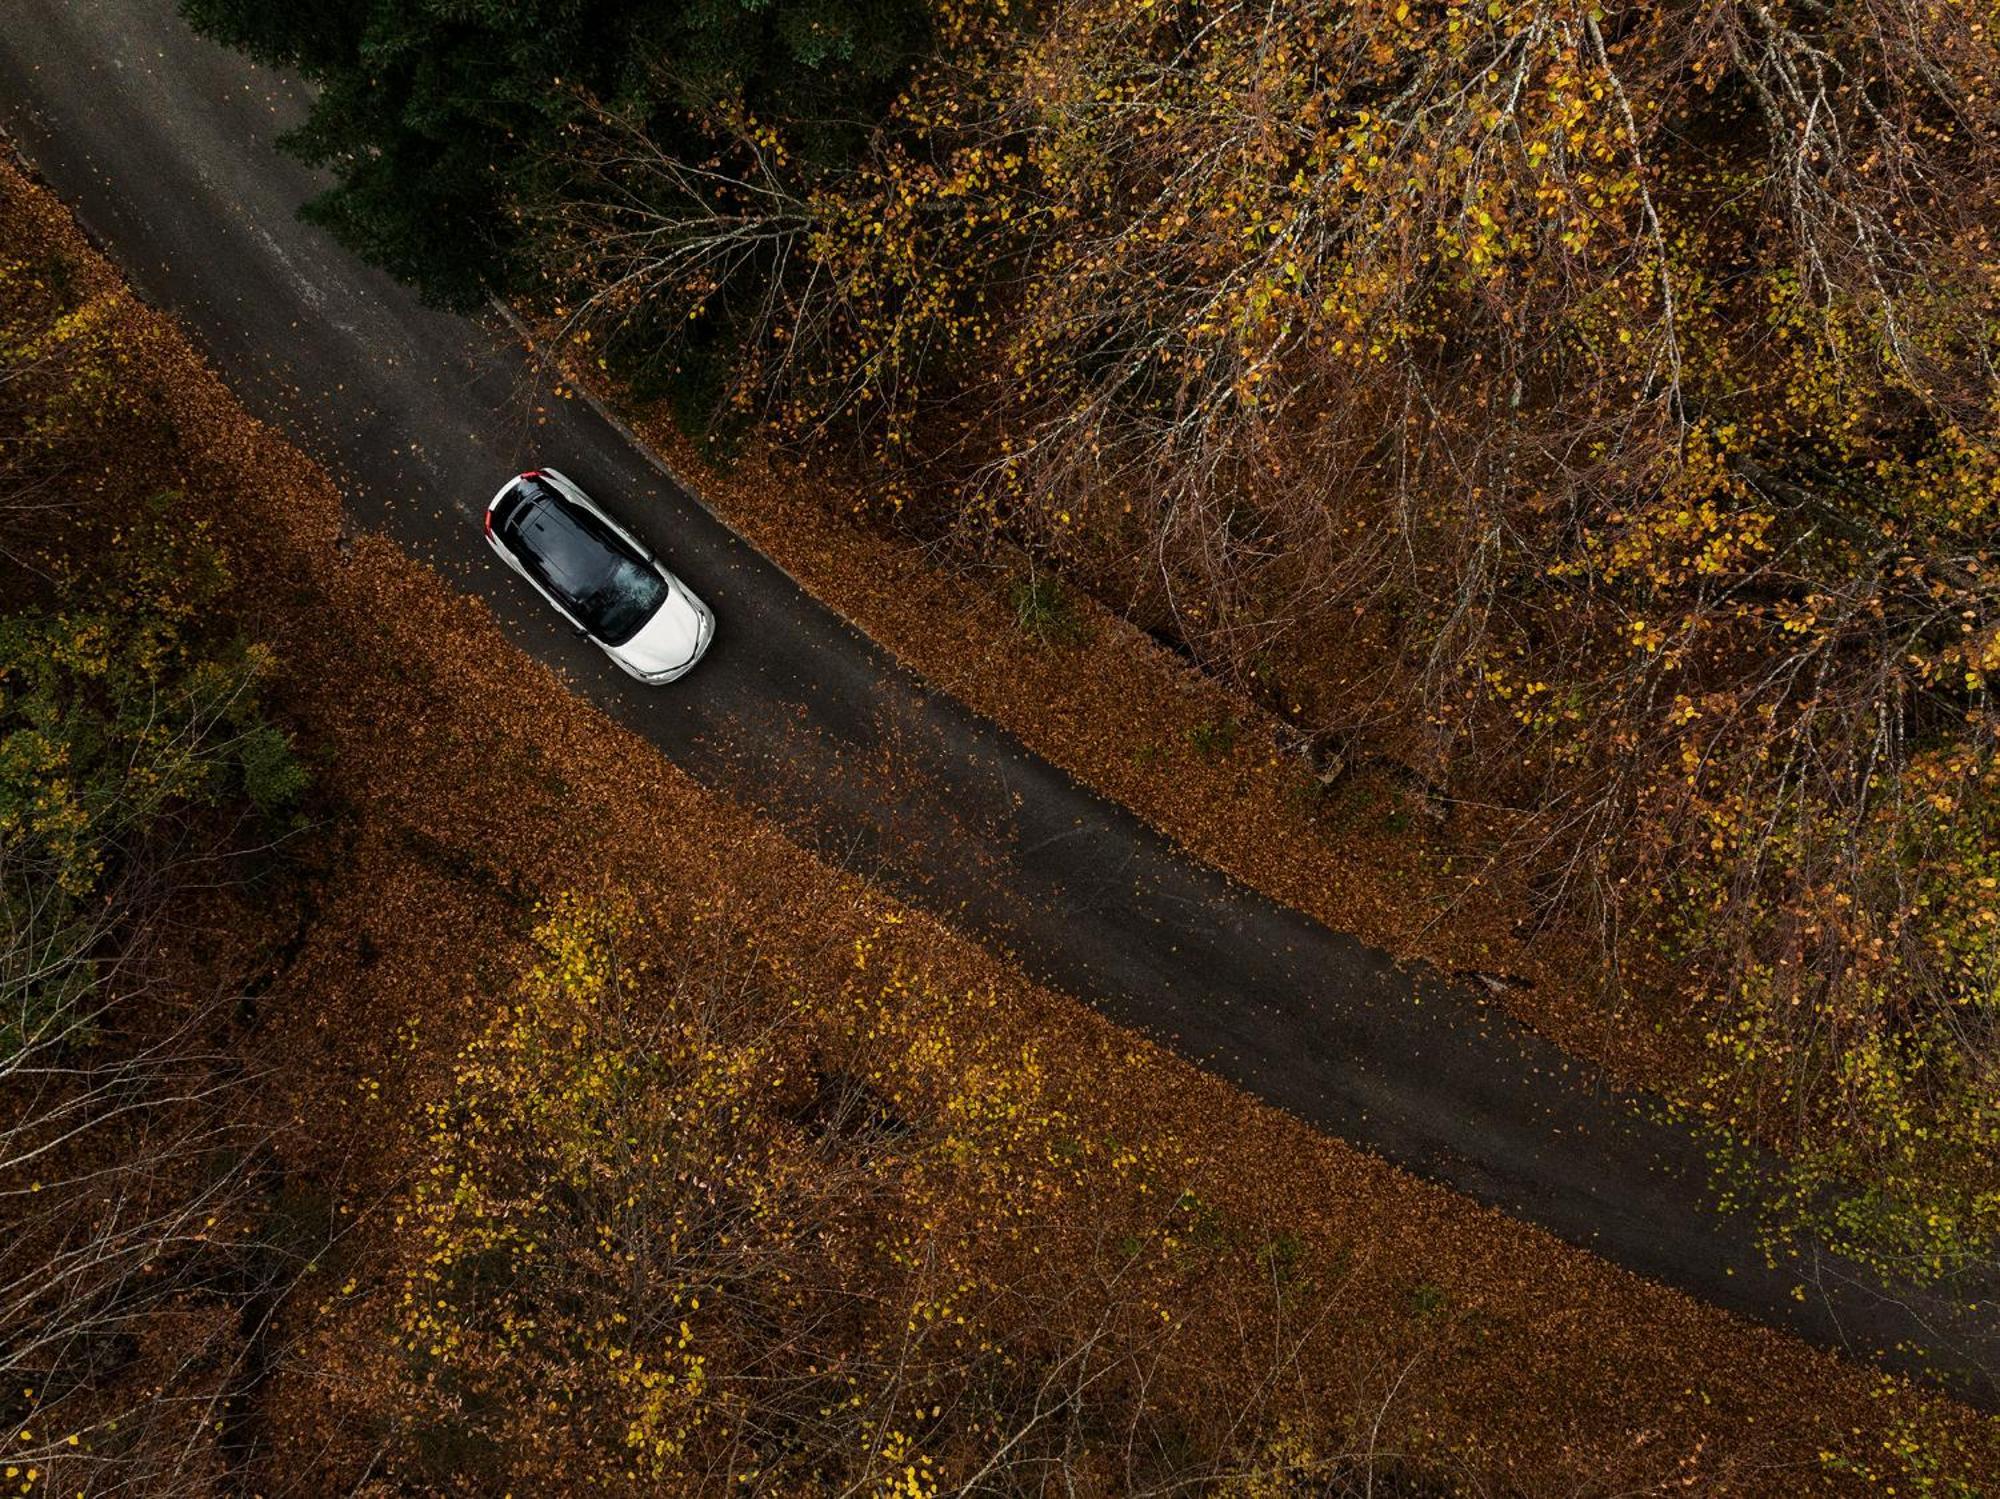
(1209, 767)
(470, 784)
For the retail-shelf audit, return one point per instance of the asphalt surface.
(162, 143)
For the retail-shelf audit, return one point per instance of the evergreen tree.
(437, 116)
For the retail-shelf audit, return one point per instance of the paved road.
(162, 143)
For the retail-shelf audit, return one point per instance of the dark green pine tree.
(437, 116)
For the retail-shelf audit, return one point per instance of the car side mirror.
(582, 634)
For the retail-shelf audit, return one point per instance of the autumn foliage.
(1590, 407)
(138, 772)
(431, 1175)
(680, 1227)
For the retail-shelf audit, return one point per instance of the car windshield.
(610, 588)
(622, 600)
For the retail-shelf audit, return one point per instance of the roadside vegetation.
(1588, 410)
(143, 786)
(363, 1145)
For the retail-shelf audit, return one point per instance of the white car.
(599, 576)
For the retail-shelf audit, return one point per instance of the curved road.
(162, 143)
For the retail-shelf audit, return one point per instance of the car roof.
(571, 554)
(559, 536)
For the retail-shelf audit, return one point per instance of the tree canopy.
(1591, 408)
(437, 117)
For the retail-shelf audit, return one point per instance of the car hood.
(667, 640)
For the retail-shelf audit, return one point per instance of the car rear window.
(596, 574)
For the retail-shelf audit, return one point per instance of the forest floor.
(461, 786)
(1362, 851)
